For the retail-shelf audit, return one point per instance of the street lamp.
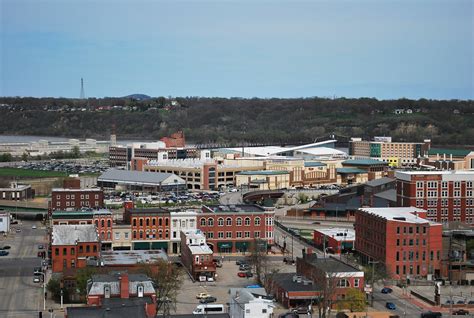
(44, 288)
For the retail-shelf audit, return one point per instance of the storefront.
(224, 247)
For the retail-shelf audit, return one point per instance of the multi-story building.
(196, 256)
(401, 238)
(17, 192)
(73, 199)
(446, 195)
(234, 228)
(263, 179)
(181, 221)
(334, 240)
(384, 149)
(150, 228)
(72, 244)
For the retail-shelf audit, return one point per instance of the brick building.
(72, 244)
(401, 238)
(73, 199)
(233, 228)
(334, 240)
(446, 195)
(150, 228)
(175, 140)
(196, 255)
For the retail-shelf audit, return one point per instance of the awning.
(243, 246)
(141, 245)
(224, 245)
(159, 245)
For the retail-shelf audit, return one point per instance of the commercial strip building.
(234, 228)
(72, 245)
(196, 256)
(446, 195)
(402, 239)
(334, 240)
(17, 192)
(123, 180)
(396, 154)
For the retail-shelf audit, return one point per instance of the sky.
(353, 48)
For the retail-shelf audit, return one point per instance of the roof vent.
(400, 218)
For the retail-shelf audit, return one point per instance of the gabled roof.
(70, 234)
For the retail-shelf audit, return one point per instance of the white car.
(33, 227)
(36, 280)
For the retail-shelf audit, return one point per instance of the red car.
(241, 274)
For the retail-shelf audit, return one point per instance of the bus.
(209, 309)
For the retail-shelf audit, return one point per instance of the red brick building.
(446, 195)
(233, 228)
(334, 240)
(196, 255)
(73, 199)
(150, 228)
(176, 140)
(71, 245)
(401, 238)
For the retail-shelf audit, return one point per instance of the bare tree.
(258, 258)
(328, 284)
(167, 278)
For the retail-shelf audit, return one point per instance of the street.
(19, 296)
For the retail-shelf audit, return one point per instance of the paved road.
(19, 296)
(403, 307)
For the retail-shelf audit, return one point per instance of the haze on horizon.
(368, 48)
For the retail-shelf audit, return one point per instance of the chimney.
(124, 292)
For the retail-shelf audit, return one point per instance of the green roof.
(444, 151)
(263, 172)
(350, 170)
(314, 164)
(71, 215)
(363, 162)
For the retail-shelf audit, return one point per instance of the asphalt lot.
(19, 296)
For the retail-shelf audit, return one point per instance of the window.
(239, 222)
(88, 249)
(398, 230)
(228, 234)
(247, 234)
(398, 256)
(56, 251)
(73, 252)
(64, 251)
(220, 221)
(160, 222)
(419, 184)
(134, 234)
(356, 282)
(117, 235)
(167, 222)
(256, 234)
(238, 234)
(220, 235)
(147, 221)
(247, 221)
(210, 235)
(343, 283)
(257, 221)
(228, 221)
(210, 222)
(203, 222)
(94, 248)
(141, 222)
(81, 249)
(126, 235)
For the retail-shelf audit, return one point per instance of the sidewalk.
(406, 295)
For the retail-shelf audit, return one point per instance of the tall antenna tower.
(83, 95)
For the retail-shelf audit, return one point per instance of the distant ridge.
(138, 96)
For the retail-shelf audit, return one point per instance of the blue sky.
(383, 49)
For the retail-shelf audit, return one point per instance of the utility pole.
(373, 281)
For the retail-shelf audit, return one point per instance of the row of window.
(73, 250)
(150, 235)
(102, 223)
(153, 221)
(410, 268)
(444, 193)
(411, 229)
(238, 221)
(73, 196)
(246, 234)
(444, 184)
(443, 202)
(73, 203)
(414, 256)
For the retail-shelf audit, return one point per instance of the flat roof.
(339, 234)
(200, 249)
(445, 151)
(140, 177)
(263, 172)
(350, 170)
(451, 175)
(246, 208)
(331, 265)
(399, 214)
(380, 181)
(111, 258)
(70, 234)
(314, 164)
(76, 190)
(148, 211)
(288, 282)
(364, 162)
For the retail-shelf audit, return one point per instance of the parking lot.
(19, 295)
(69, 166)
(226, 278)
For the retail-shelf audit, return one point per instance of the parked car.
(460, 312)
(301, 310)
(18, 230)
(471, 302)
(390, 306)
(37, 271)
(41, 247)
(289, 315)
(241, 274)
(248, 274)
(36, 280)
(33, 227)
(208, 300)
(3, 253)
(460, 302)
(431, 314)
(386, 290)
(202, 295)
(5, 247)
(240, 262)
(244, 267)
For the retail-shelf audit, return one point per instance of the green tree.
(82, 276)
(355, 301)
(6, 157)
(24, 156)
(54, 287)
(76, 153)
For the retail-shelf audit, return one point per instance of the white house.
(250, 303)
(181, 221)
(4, 222)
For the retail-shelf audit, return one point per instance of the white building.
(250, 303)
(4, 222)
(181, 221)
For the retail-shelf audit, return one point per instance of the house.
(250, 303)
(196, 256)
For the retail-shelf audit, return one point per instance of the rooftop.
(242, 208)
(294, 283)
(451, 175)
(363, 162)
(339, 234)
(331, 265)
(263, 172)
(126, 308)
(76, 190)
(314, 164)
(444, 151)
(70, 234)
(200, 249)
(139, 177)
(350, 171)
(148, 211)
(96, 285)
(111, 258)
(390, 195)
(379, 182)
(76, 214)
(399, 214)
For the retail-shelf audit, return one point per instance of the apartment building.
(384, 149)
(234, 228)
(446, 195)
(72, 245)
(402, 239)
(72, 199)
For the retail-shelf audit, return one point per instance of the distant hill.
(138, 96)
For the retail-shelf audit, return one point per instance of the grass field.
(28, 173)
